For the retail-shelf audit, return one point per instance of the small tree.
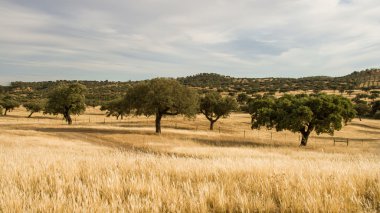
(362, 109)
(214, 106)
(374, 96)
(375, 108)
(67, 100)
(161, 97)
(366, 89)
(349, 92)
(34, 106)
(302, 113)
(242, 98)
(117, 108)
(9, 102)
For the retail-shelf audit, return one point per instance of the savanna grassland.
(99, 164)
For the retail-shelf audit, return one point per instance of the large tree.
(321, 113)
(67, 100)
(9, 102)
(214, 106)
(161, 97)
(118, 108)
(34, 106)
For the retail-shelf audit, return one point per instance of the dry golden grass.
(94, 166)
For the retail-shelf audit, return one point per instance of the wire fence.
(240, 132)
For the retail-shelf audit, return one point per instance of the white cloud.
(124, 40)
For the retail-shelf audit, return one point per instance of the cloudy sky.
(140, 39)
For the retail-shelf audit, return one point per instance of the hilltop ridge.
(109, 90)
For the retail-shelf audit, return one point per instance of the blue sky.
(133, 40)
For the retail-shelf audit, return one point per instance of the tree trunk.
(158, 123)
(69, 120)
(5, 112)
(67, 117)
(305, 137)
(121, 116)
(212, 125)
(30, 115)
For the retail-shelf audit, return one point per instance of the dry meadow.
(100, 164)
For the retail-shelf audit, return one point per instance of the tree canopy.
(118, 108)
(375, 108)
(9, 102)
(362, 109)
(161, 97)
(67, 100)
(214, 106)
(321, 113)
(35, 106)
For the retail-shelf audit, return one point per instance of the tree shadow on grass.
(365, 126)
(236, 143)
(93, 130)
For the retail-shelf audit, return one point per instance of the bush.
(377, 115)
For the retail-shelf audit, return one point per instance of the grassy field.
(100, 164)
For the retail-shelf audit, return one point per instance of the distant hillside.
(365, 78)
(100, 91)
(356, 80)
(97, 91)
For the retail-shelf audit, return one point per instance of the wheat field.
(103, 165)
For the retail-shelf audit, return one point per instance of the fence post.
(104, 120)
(219, 129)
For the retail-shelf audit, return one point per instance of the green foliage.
(242, 98)
(214, 106)
(362, 109)
(9, 102)
(375, 108)
(373, 96)
(67, 100)
(207, 80)
(35, 106)
(377, 115)
(118, 108)
(302, 113)
(160, 97)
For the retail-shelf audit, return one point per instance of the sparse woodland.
(204, 143)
